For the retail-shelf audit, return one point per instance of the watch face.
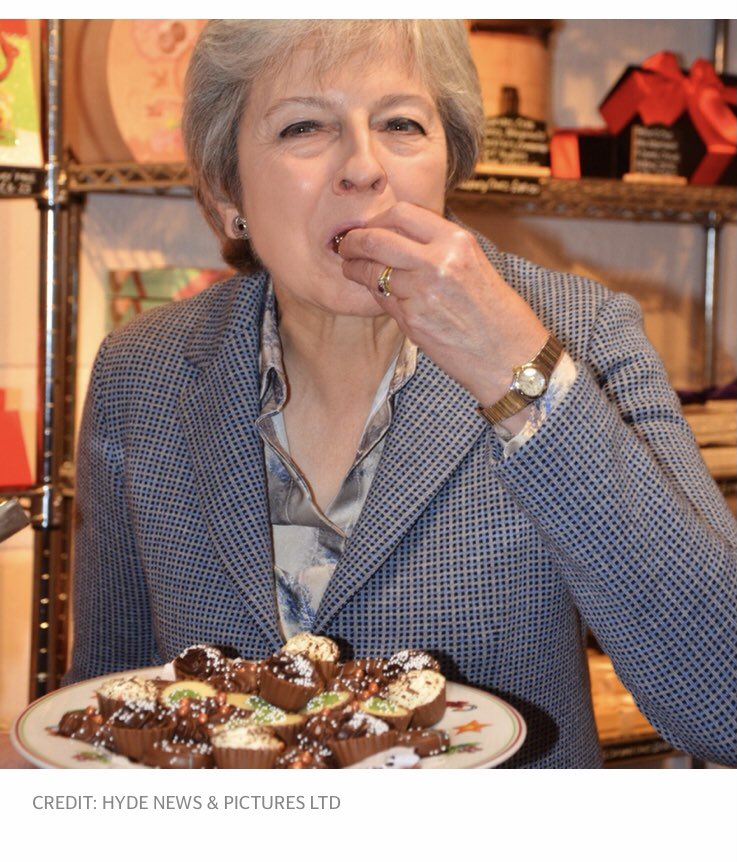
(530, 381)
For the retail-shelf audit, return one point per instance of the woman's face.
(318, 157)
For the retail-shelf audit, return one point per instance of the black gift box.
(681, 122)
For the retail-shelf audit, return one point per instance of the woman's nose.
(361, 168)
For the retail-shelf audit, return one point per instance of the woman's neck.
(329, 356)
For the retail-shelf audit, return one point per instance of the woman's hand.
(445, 296)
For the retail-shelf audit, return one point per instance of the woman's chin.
(330, 292)
(347, 298)
(355, 301)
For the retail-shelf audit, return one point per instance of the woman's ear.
(228, 214)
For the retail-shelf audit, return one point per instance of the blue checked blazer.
(606, 518)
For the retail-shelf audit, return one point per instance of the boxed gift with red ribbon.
(670, 121)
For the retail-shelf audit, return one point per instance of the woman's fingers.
(415, 222)
(381, 245)
(400, 236)
(368, 273)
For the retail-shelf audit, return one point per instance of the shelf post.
(49, 596)
(713, 224)
(711, 288)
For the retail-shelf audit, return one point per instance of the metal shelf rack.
(586, 199)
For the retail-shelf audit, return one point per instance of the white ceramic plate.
(484, 730)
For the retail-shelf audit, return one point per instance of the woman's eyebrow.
(305, 101)
(322, 102)
(394, 99)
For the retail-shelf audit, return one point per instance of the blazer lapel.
(434, 425)
(218, 413)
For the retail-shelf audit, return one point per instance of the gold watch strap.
(505, 407)
(513, 401)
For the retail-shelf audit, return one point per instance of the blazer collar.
(434, 426)
(228, 312)
(218, 412)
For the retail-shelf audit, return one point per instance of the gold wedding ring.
(384, 281)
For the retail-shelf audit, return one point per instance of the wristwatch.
(529, 382)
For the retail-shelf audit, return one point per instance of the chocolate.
(296, 757)
(358, 736)
(294, 668)
(196, 720)
(86, 725)
(409, 659)
(337, 240)
(135, 730)
(289, 681)
(363, 678)
(395, 716)
(178, 755)
(319, 728)
(423, 692)
(140, 716)
(246, 747)
(241, 677)
(200, 662)
(354, 725)
(426, 743)
(121, 690)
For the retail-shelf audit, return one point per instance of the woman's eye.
(296, 129)
(403, 124)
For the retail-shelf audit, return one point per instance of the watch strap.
(513, 401)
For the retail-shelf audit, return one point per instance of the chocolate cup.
(285, 694)
(180, 756)
(248, 674)
(245, 758)
(396, 722)
(180, 675)
(288, 732)
(134, 742)
(350, 751)
(328, 670)
(429, 713)
(108, 705)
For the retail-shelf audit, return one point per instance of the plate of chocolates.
(300, 708)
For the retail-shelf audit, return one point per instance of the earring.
(240, 228)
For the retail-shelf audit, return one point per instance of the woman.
(301, 448)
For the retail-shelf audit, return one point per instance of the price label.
(20, 182)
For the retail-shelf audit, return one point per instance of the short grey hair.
(231, 55)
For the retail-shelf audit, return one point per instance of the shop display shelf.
(605, 199)
(586, 198)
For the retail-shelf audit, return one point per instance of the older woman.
(301, 447)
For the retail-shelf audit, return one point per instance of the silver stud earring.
(240, 228)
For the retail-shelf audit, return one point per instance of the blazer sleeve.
(112, 619)
(617, 488)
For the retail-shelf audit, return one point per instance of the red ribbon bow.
(659, 92)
